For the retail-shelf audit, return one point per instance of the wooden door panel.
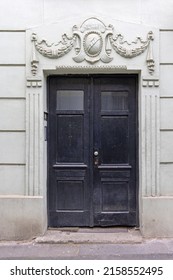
(114, 140)
(70, 138)
(115, 196)
(70, 195)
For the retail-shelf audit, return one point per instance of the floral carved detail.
(93, 41)
(135, 48)
(54, 50)
(126, 49)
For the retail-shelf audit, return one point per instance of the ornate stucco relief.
(93, 41)
(135, 48)
(34, 59)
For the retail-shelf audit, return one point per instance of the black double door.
(92, 132)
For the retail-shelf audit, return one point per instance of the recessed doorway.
(92, 151)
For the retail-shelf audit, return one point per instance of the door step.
(91, 236)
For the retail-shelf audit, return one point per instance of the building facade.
(86, 107)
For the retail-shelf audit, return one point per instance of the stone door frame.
(40, 66)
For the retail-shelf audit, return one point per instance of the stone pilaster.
(150, 136)
(33, 136)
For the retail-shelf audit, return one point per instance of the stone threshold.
(111, 235)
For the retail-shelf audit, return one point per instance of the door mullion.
(97, 196)
(91, 139)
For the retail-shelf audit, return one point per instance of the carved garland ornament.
(93, 42)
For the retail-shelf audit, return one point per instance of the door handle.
(96, 158)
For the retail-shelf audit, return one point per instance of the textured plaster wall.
(29, 13)
(12, 112)
(166, 109)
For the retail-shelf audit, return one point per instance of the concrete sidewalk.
(89, 244)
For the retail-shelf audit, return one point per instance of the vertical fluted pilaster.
(150, 137)
(33, 137)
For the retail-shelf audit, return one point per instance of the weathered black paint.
(92, 152)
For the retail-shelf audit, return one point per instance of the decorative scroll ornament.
(34, 59)
(93, 41)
